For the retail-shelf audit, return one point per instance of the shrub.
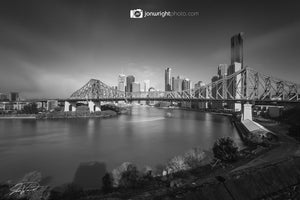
(159, 169)
(147, 172)
(118, 172)
(107, 181)
(130, 178)
(225, 149)
(176, 164)
(197, 157)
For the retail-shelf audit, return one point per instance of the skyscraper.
(178, 84)
(129, 80)
(145, 85)
(168, 81)
(186, 84)
(237, 49)
(173, 79)
(222, 70)
(121, 82)
(135, 87)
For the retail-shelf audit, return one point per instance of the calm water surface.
(146, 136)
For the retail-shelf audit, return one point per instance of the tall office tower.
(173, 79)
(129, 80)
(121, 82)
(237, 49)
(178, 84)
(135, 87)
(186, 83)
(222, 70)
(168, 83)
(145, 85)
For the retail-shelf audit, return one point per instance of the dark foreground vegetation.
(291, 117)
(128, 181)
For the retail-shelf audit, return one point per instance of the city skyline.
(42, 51)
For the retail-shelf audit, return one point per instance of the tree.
(124, 175)
(197, 157)
(225, 149)
(30, 109)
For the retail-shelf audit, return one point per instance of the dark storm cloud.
(51, 48)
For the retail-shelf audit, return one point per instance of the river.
(145, 136)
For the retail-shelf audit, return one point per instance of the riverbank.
(212, 111)
(18, 116)
(63, 115)
(81, 114)
(253, 176)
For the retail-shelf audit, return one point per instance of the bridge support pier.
(247, 111)
(67, 106)
(94, 106)
(70, 106)
(98, 106)
(91, 106)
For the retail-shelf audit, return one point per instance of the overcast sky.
(51, 48)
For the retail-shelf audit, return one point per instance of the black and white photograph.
(149, 99)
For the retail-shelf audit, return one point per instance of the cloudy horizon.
(51, 48)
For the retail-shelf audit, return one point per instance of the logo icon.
(136, 13)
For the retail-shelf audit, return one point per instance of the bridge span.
(239, 91)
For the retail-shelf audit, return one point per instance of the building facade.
(145, 85)
(13, 96)
(135, 87)
(129, 80)
(121, 82)
(237, 48)
(168, 79)
(178, 84)
(186, 84)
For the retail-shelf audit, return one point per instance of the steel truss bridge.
(245, 85)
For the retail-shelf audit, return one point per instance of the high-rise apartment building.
(145, 85)
(135, 86)
(173, 79)
(186, 84)
(129, 80)
(168, 80)
(121, 82)
(222, 70)
(178, 84)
